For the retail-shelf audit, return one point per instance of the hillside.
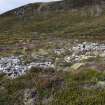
(67, 18)
(53, 54)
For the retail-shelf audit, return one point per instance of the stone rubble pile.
(14, 66)
(42, 63)
(85, 50)
(88, 47)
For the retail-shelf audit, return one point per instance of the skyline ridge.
(7, 5)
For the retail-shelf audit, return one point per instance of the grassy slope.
(75, 95)
(63, 23)
(71, 94)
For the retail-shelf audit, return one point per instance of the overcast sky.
(6, 5)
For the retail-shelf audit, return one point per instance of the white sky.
(6, 5)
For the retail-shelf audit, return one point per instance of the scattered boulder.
(30, 97)
(47, 100)
(100, 84)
